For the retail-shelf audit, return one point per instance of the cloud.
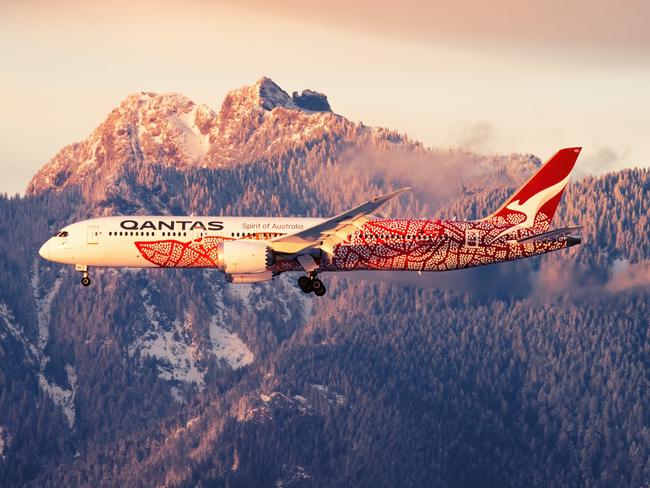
(604, 25)
(600, 160)
(503, 281)
(438, 177)
(475, 136)
(525, 279)
(557, 278)
(627, 276)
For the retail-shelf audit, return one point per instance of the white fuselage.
(110, 241)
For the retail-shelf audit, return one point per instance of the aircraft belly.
(431, 256)
(410, 256)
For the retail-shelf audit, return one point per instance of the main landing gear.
(310, 283)
(83, 269)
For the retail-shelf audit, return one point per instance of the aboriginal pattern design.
(199, 253)
(416, 245)
(431, 245)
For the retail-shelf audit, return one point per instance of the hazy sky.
(500, 76)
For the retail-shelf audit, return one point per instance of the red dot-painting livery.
(255, 249)
(200, 253)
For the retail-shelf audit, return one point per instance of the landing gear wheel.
(305, 284)
(318, 287)
(83, 269)
(320, 292)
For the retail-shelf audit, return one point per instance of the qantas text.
(171, 225)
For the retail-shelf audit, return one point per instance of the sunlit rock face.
(169, 129)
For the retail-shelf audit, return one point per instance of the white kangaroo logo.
(531, 207)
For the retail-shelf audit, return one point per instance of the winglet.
(388, 196)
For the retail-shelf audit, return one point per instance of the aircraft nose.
(44, 251)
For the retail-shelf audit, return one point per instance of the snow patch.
(228, 347)
(332, 397)
(43, 305)
(194, 143)
(62, 398)
(243, 292)
(177, 395)
(176, 354)
(171, 345)
(5, 442)
(292, 293)
(11, 326)
(278, 296)
(292, 476)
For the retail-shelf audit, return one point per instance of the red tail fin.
(534, 204)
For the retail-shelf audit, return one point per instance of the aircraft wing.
(333, 231)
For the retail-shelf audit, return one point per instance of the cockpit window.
(63, 234)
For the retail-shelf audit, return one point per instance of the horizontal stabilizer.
(552, 235)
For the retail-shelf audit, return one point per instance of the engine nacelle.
(243, 257)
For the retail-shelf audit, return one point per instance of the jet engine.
(244, 257)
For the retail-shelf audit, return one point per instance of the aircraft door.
(93, 234)
(472, 238)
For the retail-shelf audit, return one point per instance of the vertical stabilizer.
(533, 205)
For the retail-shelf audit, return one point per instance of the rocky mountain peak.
(170, 129)
(265, 94)
(167, 128)
(312, 100)
(270, 95)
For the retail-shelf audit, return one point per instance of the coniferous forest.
(531, 373)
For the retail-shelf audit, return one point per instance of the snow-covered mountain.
(169, 129)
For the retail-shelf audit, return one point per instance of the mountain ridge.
(170, 129)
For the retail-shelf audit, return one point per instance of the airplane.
(256, 249)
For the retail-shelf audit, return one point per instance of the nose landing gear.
(310, 284)
(83, 269)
